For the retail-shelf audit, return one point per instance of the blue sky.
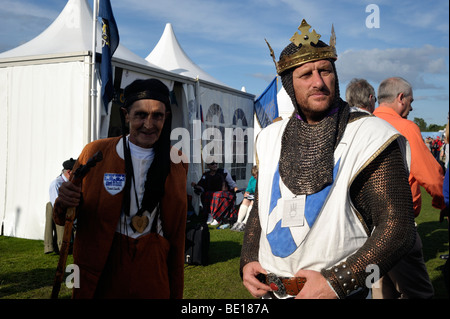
(226, 38)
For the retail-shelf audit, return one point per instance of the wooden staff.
(78, 176)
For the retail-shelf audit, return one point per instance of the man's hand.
(69, 195)
(316, 286)
(253, 285)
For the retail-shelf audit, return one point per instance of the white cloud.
(25, 8)
(217, 21)
(410, 63)
(20, 21)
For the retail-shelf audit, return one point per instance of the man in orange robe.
(136, 180)
(425, 170)
(409, 278)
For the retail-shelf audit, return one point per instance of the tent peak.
(71, 31)
(169, 55)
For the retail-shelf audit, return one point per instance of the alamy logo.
(231, 143)
(373, 19)
(73, 279)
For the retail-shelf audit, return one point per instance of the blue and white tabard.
(328, 229)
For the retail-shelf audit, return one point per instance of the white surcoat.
(332, 229)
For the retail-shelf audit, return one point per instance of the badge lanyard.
(139, 221)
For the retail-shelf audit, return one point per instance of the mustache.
(324, 91)
(147, 131)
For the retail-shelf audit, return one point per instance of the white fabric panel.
(188, 103)
(129, 76)
(3, 138)
(216, 103)
(228, 103)
(285, 107)
(45, 110)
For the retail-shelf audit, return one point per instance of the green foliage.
(420, 123)
(424, 127)
(435, 128)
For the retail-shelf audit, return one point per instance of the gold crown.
(307, 52)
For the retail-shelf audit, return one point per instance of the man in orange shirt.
(425, 170)
(409, 279)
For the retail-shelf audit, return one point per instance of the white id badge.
(294, 211)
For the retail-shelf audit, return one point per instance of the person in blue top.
(247, 202)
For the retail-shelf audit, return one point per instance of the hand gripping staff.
(77, 177)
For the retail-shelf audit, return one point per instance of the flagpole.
(199, 110)
(93, 112)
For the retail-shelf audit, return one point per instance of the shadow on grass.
(220, 251)
(434, 237)
(21, 282)
(435, 240)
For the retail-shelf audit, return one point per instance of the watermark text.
(373, 19)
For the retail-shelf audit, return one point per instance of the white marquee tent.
(169, 55)
(221, 106)
(48, 114)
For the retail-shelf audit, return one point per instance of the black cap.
(152, 89)
(69, 164)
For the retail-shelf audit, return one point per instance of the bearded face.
(314, 89)
(313, 86)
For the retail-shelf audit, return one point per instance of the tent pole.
(92, 111)
(197, 99)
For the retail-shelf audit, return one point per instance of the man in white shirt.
(53, 233)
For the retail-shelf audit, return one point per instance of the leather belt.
(283, 286)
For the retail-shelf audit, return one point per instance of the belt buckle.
(277, 285)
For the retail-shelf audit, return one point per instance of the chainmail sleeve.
(382, 196)
(252, 234)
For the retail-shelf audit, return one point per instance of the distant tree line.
(424, 127)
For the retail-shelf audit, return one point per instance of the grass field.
(27, 273)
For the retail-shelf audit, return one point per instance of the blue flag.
(110, 42)
(266, 106)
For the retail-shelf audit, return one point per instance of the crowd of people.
(218, 192)
(424, 171)
(335, 190)
(439, 148)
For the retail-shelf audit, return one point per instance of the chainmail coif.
(306, 159)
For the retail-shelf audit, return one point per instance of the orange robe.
(425, 170)
(160, 274)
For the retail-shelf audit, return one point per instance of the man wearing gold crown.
(333, 203)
